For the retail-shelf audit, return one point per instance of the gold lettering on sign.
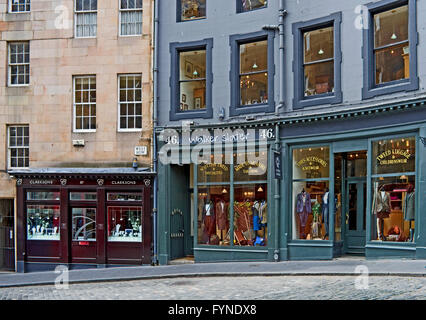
(312, 163)
(404, 156)
(212, 169)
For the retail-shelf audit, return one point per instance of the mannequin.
(325, 211)
(221, 210)
(209, 219)
(409, 209)
(381, 208)
(316, 225)
(303, 210)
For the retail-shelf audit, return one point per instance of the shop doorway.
(180, 216)
(83, 244)
(7, 235)
(355, 202)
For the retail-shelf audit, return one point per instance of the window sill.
(84, 131)
(129, 130)
(391, 87)
(18, 85)
(191, 114)
(189, 20)
(251, 108)
(317, 100)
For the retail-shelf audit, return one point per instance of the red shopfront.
(83, 221)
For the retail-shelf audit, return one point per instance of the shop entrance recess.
(355, 202)
(7, 237)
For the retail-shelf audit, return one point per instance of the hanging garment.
(221, 211)
(382, 205)
(209, 219)
(409, 207)
(316, 224)
(303, 209)
(263, 213)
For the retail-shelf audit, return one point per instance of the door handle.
(347, 217)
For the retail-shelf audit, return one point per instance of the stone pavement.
(338, 267)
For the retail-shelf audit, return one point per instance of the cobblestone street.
(232, 288)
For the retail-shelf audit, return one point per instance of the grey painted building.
(336, 86)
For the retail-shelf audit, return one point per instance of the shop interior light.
(321, 52)
(260, 189)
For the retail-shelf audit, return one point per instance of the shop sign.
(42, 182)
(123, 182)
(312, 163)
(277, 165)
(212, 169)
(249, 166)
(394, 156)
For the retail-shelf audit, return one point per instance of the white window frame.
(9, 147)
(76, 13)
(119, 129)
(89, 103)
(9, 65)
(26, 2)
(119, 20)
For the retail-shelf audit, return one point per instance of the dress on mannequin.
(381, 208)
(303, 209)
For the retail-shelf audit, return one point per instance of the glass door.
(355, 233)
(7, 242)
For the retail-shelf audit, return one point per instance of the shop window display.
(393, 197)
(250, 215)
(43, 222)
(83, 196)
(391, 45)
(192, 9)
(214, 215)
(84, 224)
(124, 196)
(43, 195)
(125, 224)
(311, 200)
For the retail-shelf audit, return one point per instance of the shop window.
(356, 164)
(191, 9)
(311, 200)
(86, 14)
(191, 76)
(130, 102)
(214, 215)
(250, 215)
(391, 48)
(394, 185)
(250, 167)
(85, 104)
(84, 224)
(124, 196)
(125, 224)
(19, 63)
(19, 6)
(43, 222)
(130, 17)
(311, 163)
(83, 196)
(249, 5)
(43, 195)
(317, 61)
(251, 70)
(18, 147)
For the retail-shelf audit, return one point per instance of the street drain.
(181, 283)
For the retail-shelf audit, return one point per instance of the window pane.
(254, 88)
(254, 57)
(319, 78)
(84, 224)
(392, 64)
(192, 65)
(318, 44)
(115, 196)
(213, 215)
(394, 156)
(393, 208)
(213, 173)
(247, 5)
(391, 26)
(125, 224)
(356, 164)
(83, 196)
(311, 163)
(193, 9)
(43, 195)
(43, 222)
(251, 166)
(193, 95)
(311, 210)
(251, 215)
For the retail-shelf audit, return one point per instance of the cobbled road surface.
(233, 288)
